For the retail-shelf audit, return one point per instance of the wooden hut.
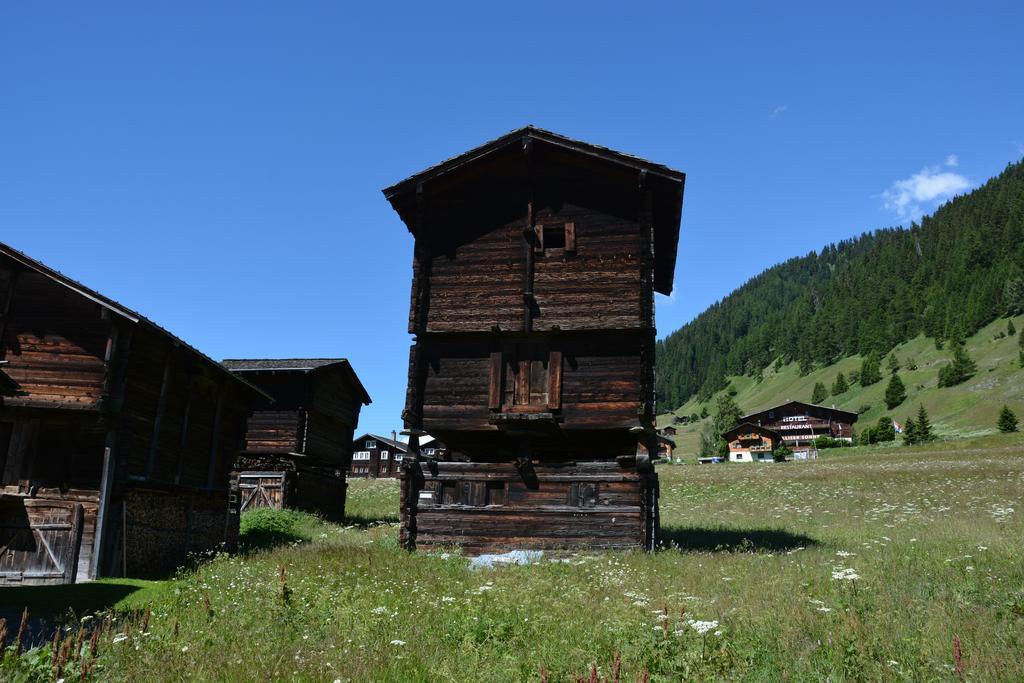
(298, 446)
(535, 265)
(116, 437)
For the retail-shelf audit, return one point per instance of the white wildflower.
(379, 610)
(120, 638)
(702, 627)
(842, 574)
(844, 553)
(398, 642)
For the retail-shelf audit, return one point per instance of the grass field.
(968, 409)
(864, 565)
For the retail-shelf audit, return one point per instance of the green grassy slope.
(968, 409)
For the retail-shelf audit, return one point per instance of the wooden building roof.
(302, 365)
(397, 445)
(117, 309)
(830, 413)
(748, 427)
(666, 183)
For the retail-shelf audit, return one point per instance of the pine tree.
(1020, 343)
(960, 369)
(727, 415)
(819, 394)
(884, 430)
(840, 386)
(1010, 329)
(1007, 420)
(910, 432)
(924, 426)
(893, 363)
(895, 392)
(870, 372)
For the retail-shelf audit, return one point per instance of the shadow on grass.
(361, 522)
(49, 605)
(723, 539)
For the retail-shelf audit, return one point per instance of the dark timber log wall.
(535, 266)
(569, 505)
(116, 438)
(305, 433)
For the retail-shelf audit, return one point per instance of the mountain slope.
(965, 409)
(957, 271)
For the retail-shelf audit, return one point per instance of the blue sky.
(219, 168)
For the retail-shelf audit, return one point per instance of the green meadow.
(968, 409)
(867, 564)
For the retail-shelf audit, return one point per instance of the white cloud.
(927, 189)
(778, 110)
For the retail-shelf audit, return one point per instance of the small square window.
(554, 237)
(370, 443)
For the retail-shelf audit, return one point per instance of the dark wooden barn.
(116, 437)
(299, 445)
(535, 265)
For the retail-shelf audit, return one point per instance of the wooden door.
(39, 540)
(261, 490)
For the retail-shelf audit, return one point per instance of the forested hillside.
(955, 272)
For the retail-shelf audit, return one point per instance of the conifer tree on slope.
(840, 386)
(923, 426)
(870, 372)
(1020, 343)
(895, 392)
(910, 432)
(819, 394)
(1007, 420)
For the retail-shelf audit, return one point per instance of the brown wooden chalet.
(298, 445)
(375, 456)
(116, 437)
(535, 265)
(752, 443)
(801, 423)
(666, 446)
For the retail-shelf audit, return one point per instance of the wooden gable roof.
(122, 311)
(666, 184)
(729, 434)
(299, 365)
(811, 408)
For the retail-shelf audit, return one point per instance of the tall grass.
(902, 564)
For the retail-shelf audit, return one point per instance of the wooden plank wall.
(273, 431)
(489, 507)
(601, 387)
(171, 423)
(597, 286)
(54, 341)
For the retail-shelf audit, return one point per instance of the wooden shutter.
(570, 237)
(555, 380)
(494, 390)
